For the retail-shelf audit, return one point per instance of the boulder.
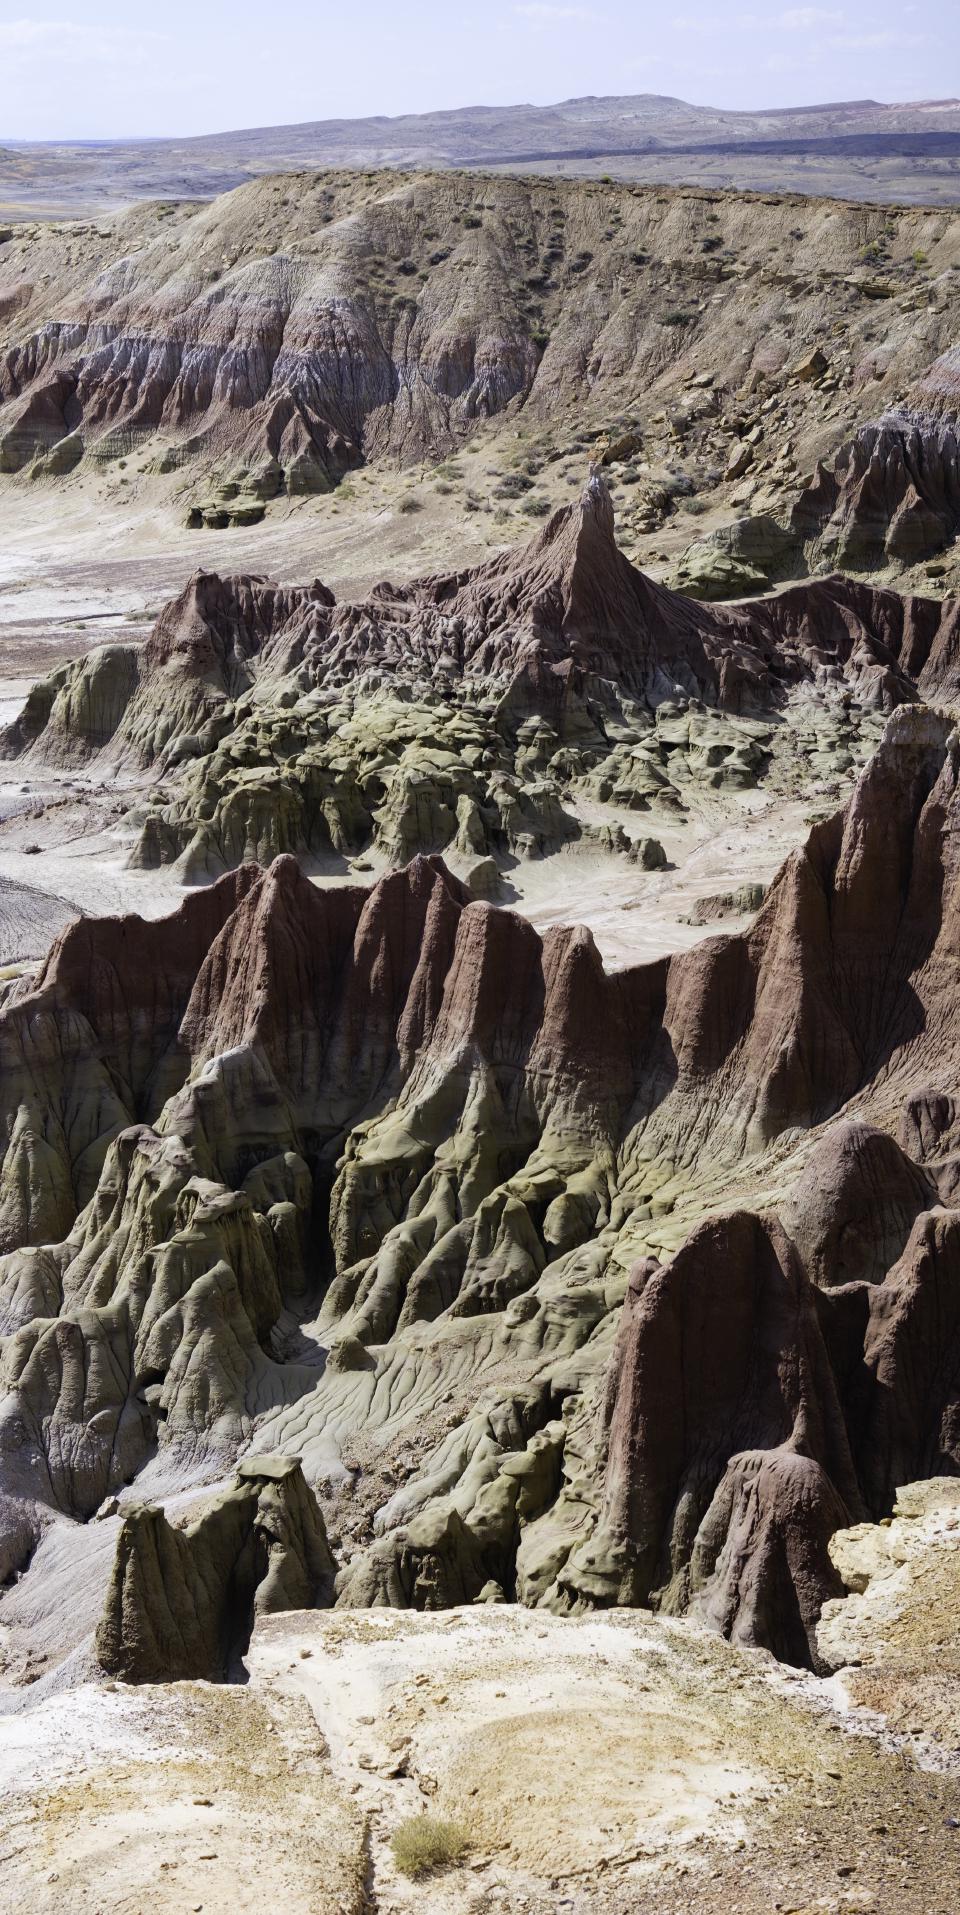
(813, 365)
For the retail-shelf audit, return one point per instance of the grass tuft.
(426, 1842)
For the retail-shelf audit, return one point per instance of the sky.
(85, 69)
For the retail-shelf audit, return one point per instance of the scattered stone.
(812, 366)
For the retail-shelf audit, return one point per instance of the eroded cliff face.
(568, 1286)
(495, 714)
(306, 323)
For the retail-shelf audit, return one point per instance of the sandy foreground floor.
(618, 1762)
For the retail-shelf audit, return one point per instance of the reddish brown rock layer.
(562, 617)
(407, 1111)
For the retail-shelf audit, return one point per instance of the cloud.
(547, 15)
(828, 22)
(791, 20)
(801, 19)
(876, 42)
(23, 42)
(22, 36)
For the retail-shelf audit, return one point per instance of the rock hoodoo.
(182, 1602)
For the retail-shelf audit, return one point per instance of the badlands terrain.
(861, 149)
(479, 1106)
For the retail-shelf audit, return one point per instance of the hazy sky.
(84, 69)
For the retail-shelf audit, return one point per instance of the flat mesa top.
(274, 1468)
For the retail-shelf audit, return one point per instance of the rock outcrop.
(739, 560)
(889, 1629)
(892, 494)
(182, 1602)
(547, 625)
(728, 1460)
(299, 1171)
(470, 713)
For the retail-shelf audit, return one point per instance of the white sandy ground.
(592, 1763)
(466, 1709)
(634, 915)
(167, 1800)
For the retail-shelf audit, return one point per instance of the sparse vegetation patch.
(424, 1843)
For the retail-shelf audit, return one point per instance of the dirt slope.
(316, 321)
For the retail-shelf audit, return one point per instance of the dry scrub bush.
(426, 1842)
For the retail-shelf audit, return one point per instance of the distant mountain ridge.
(859, 149)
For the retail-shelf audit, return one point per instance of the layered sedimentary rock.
(294, 328)
(563, 615)
(182, 1602)
(475, 712)
(892, 492)
(729, 1463)
(308, 1172)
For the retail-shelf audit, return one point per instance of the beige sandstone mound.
(891, 1634)
(273, 341)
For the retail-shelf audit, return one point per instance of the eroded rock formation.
(182, 1601)
(479, 713)
(892, 494)
(292, 329)
(368, 1174)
